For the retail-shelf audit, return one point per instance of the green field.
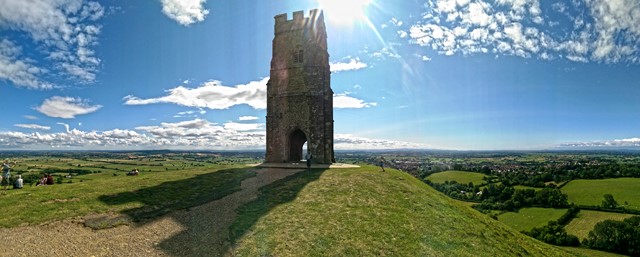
(462, 177)
(154, 192)
(590, 192)
(584, 222)
(526, 187)
(365, 212)
(528, 218)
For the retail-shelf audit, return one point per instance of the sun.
(344, 11)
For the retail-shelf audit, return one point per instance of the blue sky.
(437, 74)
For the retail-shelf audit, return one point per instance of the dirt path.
(200, 231)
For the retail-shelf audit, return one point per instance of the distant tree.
(609, 202)
(554, 233)
(616, 236)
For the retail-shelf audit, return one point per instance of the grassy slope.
(145, 196)
(462, 177)
(365, 212)
(590, 192)
(528, 218)
(586, 220)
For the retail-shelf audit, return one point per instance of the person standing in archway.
(308, 157)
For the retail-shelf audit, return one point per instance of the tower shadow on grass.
(270, 196)
(179, 195)
(213, 214)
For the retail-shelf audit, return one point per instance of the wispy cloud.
(21, 72)
(598, 31)
(33, 126)
(64, 31)
(342, 101)
(246, 118)
(352, 142)
(66, 107)
(620, 143)
(191, 113)
(185, 12)
(65, 125)
(352, 64)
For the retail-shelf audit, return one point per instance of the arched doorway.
(296, 141)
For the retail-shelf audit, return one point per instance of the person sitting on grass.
(50, 180)
(134, 172)
(19, 183)
(42, 181)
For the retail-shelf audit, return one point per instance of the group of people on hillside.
(46, 179)
(5, 179)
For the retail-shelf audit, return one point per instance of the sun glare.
(344, 11)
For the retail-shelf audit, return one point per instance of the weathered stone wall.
(299, 89)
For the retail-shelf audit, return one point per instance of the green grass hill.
(366, 212)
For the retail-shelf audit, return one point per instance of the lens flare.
(344, 11)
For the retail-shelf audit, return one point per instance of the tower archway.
(297, 138)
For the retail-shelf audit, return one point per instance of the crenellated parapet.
(283, 24)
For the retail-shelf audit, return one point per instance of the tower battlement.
(283, 24)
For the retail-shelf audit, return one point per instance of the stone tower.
(299, 95)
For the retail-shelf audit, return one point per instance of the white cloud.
(352, 142)
(385, 52)
(65, 125)
(212, 95)
(617, 27)
(30, 117)
(353, 64)
(66, 107)
(33, 126)
(597, 31)
(342, 101)
(627, 142)
(201, 133)
(76, 139)
(191, 113)
(193, 134)
(243, 126)
(22, 73)
(64, 31)
(185, 12)
(246, 118)
(396, 22)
